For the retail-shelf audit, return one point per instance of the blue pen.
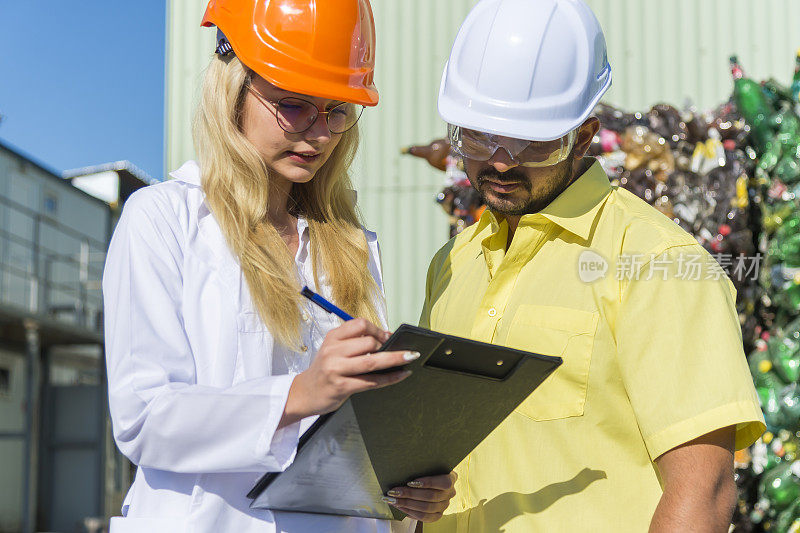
(325, 304)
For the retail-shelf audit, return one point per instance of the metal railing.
(48, 268)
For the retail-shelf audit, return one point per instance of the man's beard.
(548, 191)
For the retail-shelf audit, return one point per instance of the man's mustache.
(511, 176)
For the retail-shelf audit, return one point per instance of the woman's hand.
(341, 368)
(424, 499)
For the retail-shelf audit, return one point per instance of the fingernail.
(394, 492)
(415, 484)
(389, 500)
(411, 356)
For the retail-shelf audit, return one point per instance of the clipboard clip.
(453, 356)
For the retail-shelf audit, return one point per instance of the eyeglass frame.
(262, 99)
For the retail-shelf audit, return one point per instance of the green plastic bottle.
(786, 248)
(789, 520)
(753, 106)
(791, 296)
(760, 362)
(789, 225)
(788, 126)
(790, 404)
(768, 386)
(771, 155)
(776, 92)
(785, 354)
(781, 485)
(787, 169)
(782, 282)
(796, 81)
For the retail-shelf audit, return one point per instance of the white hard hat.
(529, 69)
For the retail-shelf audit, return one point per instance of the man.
(638, 426)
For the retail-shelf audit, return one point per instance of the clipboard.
(459, 391)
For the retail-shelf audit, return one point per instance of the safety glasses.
(481, 146)
(295, 115)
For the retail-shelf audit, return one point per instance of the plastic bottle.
(781, 485)
(789, 520)
(796, 81)
(753, 105)
(435, 152)
(785, 353)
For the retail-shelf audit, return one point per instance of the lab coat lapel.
(213, 249)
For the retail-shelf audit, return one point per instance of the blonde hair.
(236, 183)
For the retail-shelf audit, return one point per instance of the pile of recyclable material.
(771, 112)
(769, 474)
(730, 176)
(684, 164)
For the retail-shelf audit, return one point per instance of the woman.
(215, 364)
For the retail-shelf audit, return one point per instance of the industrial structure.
(60, 465)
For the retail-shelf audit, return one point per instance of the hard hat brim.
(311, 86)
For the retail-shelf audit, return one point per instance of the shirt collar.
(189, 172)
(575, 209)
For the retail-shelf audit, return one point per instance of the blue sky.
(82, 83)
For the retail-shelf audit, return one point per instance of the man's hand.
(424, 499)
(699, 488)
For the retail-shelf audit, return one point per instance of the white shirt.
(196, 383)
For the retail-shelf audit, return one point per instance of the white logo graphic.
(591, 266)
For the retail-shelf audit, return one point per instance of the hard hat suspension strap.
(223, 46)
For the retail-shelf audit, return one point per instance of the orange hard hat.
(322, 48)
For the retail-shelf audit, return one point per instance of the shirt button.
(492, 311)
(304, 348)
(304, 316)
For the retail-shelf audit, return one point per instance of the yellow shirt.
(645, 322)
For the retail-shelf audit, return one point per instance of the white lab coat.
(196, 383)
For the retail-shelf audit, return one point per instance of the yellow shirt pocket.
(563, 332)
